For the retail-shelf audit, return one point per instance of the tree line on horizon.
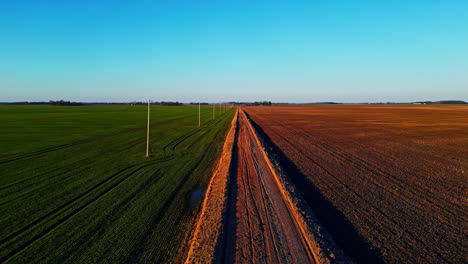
(176, 103)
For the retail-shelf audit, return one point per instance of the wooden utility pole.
(213, 111)
(199, 118)
(148, 130)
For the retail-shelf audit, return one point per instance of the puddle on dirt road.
(195, 197)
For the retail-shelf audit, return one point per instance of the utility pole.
(148, 130)
(213, 111)
(199, 118)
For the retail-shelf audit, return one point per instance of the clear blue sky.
(296, 51)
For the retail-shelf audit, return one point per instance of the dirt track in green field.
(75, 187)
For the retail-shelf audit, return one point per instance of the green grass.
(75, 186)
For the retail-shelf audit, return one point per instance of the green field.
(75, 186)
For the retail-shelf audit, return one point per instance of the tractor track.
(68, 145)
(136, 249)
(83, 163)
(176, 142)
(17, 233)
(279, 237)
(179, 140)
(75, 143)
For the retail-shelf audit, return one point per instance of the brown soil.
(265, 228)
(249, 214)
(389, 183)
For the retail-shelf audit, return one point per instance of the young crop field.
(75, 186)
(387, 182)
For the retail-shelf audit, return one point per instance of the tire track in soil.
(265, 199)
(366, 166)
(74, 212)
(353, 160)
(225, 246)
(264, 223)
(353, 244)
(363, 165)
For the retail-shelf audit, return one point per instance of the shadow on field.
(342, 231)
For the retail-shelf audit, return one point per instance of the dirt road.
(262, 228)
(251, 214)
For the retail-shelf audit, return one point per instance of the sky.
(195, 50)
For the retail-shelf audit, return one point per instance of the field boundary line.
(209, 226)
(322, 248)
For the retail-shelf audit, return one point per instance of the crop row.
(100, 200)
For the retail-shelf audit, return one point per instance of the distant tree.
(64, 103)
(450, 102)
(169, 103)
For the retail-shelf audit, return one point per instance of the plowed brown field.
(389, 183)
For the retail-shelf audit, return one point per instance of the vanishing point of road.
(264, 226)
(245, 216)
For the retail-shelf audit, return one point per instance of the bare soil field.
(388, 182)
